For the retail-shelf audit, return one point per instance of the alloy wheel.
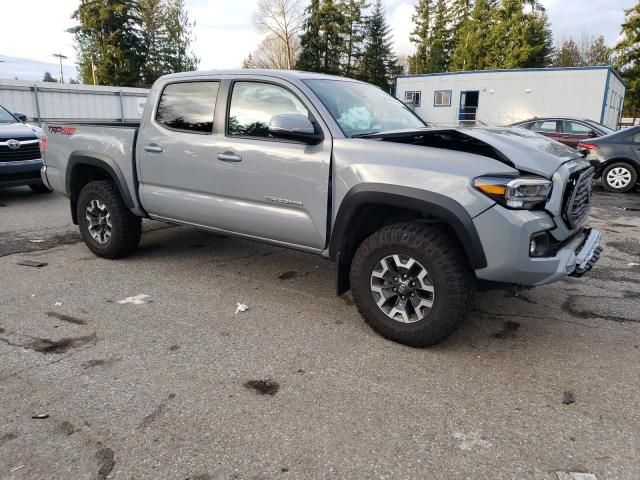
(98, 221)
(402, 288)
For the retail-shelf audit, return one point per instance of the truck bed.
(112, 142)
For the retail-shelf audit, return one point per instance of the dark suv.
(569, 131)
(21, 150)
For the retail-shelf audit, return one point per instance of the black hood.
(17, 131)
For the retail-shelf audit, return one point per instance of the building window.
(413, 98)
(188, 106)
(442, 98)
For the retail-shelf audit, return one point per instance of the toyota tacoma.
(415, 217)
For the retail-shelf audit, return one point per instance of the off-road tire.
(626, 188)
(441, 255)
(126, 227)
(39, 188)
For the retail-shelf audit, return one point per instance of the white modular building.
(51, 102)
(502, 97)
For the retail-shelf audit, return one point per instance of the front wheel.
(619, 177)
(107, 226)
(412, 284)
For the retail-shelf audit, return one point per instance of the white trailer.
(51, 102)
(502, 97)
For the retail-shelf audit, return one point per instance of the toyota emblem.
(13, 144)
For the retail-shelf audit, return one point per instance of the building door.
(468, 106)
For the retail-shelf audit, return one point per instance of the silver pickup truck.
(415, 216)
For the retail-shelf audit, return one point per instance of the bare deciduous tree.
(271, 54)
(281, 21)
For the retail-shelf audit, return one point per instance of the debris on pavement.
(575, 476)
(32, 263)
(57, 304)
(633, 264)
(40, 416)
(568, 398)
(16, 469)
(37, 240)
(242, 307)
(263, 387)
(136, 300)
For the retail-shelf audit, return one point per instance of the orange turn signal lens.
(491, 189)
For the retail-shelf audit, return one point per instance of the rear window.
(188, 106)
(545, 126)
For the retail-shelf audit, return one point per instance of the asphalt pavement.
(144, 369)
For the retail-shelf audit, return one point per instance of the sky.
(224, 33)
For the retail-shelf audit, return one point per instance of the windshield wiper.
(367, 134)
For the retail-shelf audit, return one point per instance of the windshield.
(6, 117)
(362, 109)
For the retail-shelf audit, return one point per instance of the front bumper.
(505, 236)
(25, 172)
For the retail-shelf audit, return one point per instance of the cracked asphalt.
(183, 387)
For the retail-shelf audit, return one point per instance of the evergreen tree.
(332, 40)
(154, 37)
(539, 38)
(48, 77)
(322, 42)
(379, 64)
(248, 61)
(420, 37)
(108, 42)
(628, 59)
(568, 55)
(310, 42)
(353, 35)
(474, 39)
(177, 52)
(598, 53)
(440, 39)
(520, 39)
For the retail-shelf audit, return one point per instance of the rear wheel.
(619, 177)
(107, 226)
(412, 284)
(40, 188)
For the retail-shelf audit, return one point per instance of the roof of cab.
(283, 74)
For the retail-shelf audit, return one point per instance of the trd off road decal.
(63, 130)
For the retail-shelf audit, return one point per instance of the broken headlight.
(523, 193)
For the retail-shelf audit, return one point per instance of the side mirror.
(593, 134)
(20, 116)
(293, 126)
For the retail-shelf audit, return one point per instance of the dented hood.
(527, 151)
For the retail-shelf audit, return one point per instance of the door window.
(576, 128)
(188, 106)
(545, 127)
(253, 104)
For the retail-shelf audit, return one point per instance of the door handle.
(153, 148)
(229, 157)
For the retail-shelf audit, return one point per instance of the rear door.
(176, 152)
(574, 132)
(272, 188)
(548, 128)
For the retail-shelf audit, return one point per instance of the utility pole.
(93, 71)
(60, 56)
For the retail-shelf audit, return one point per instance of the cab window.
(253, 104)
(188, 106)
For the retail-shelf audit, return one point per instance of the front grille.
(578, 198)
(29, 151)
